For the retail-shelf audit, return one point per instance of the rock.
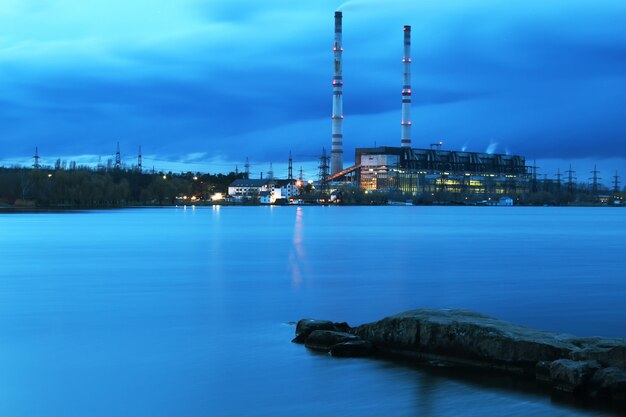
(326, 339)
(593, 367)
(306, 326)
(465, 337)
(542, 371)
(609, 383)
(352, 349)
(609, 352)
(572, 376)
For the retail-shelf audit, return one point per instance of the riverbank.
(592, 368)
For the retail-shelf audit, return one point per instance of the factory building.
(414, 170)
(420, 171)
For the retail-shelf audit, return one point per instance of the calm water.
(181, 312)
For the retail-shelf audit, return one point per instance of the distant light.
(195, 178)
(310, 181)
(49, 175)
(164, 177)
(217, 197)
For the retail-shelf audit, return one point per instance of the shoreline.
(65, 209)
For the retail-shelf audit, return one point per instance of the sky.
(200, 85)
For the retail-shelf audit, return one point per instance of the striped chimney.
(336, 162)
(406, 90)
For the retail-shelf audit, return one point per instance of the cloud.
(240, 77)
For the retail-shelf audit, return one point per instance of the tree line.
(103, 187)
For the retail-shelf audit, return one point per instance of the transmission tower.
(570, 179)
(237, 170)
(558, 179)
(594, 180)
(534, 183)
(616, 183)
(36, 165)
(301, 176)
(323, 175)
(290, 171)
(247, 168)
(118, 157)
(270, 173)
(139, 162)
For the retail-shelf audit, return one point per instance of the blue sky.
(209, 83)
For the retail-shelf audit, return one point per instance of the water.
(184, 312)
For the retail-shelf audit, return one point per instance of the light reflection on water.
(182, 312)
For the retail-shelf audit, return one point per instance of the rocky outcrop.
(326, 336)
(609, 383)
(305, 327)
(572, 376)
(593, 367)
(326, 339)
(465, 337)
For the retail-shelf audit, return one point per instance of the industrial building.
(418, 170)
(436, 171)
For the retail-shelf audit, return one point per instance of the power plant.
(418, 170)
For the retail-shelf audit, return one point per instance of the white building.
(267, 191)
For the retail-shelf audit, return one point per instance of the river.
(186, 311)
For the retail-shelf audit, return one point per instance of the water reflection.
(297, 257)
(427, 387)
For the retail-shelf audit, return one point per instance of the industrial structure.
(37, 159)
(418, 170)
(336, 162)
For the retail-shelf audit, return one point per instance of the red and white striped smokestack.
(336, 161)
(406, 90)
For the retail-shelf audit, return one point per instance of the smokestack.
(406, 90)
(336, 163)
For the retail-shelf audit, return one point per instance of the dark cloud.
(260, 85)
